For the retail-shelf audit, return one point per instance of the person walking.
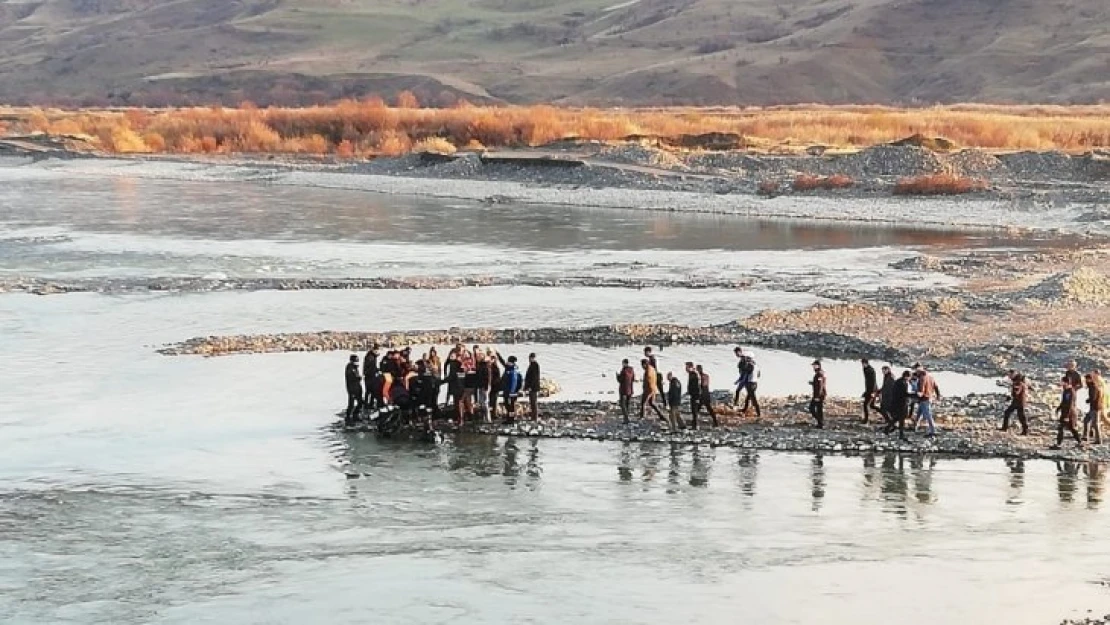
(693, 389)
(870, 390)
(1066, 412)
(1096, 400)
(748, 382)
(674, 403)
(819, 386)
(626, 388)
(650, 356)
(706, 395)
(899, 407)
(742, 378)
(886, 396)
(532, 387)
(1018, 394)
(354, 390)
(926, 392)
(650, 390)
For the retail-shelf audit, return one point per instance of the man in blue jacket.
(511, 384)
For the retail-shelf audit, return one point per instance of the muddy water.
(136, 488)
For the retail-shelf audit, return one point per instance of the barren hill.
(573, 51)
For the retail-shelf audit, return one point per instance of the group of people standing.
(475, 379)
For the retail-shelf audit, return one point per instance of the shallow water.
(137, 488)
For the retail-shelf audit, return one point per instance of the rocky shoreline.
(874, 171)
(967, 427)
(42, 286)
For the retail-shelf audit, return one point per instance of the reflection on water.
(900, 482)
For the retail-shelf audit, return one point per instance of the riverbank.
(967, 427)
(1024, 191)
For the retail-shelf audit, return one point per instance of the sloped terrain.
(572, 51)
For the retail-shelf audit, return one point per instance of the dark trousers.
(699, 402)
(373, 398)
(626, 407)
(817, 409)
(895, 421)
(510, 407)
(868, 406)
(1069, 425)
(1020, 410)
(534, 404)
(752, 399)
(354, 406)
(493, 394)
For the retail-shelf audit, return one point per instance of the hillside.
(572, 51)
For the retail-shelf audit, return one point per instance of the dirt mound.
(1039, 165)
(936, 144)
(887, 160)
(635, 154)
(715, 141)
(1082, 286)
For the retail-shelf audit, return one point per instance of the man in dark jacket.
(693, 389)
(354, 390)
(674, 403)
(870, 389)
(899, 405)
(707, 395)
(373, 397)
(820, 392)
(886, 396)
(532, 386)
(626, 388)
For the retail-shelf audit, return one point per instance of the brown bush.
(938, 184)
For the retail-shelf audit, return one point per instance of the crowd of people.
(476, 380)
(479, 381)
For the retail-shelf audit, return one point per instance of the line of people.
(655, 390)
(1068, 410)
(475, 380)
(910, 396)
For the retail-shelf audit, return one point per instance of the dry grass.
(806, 182)
(938, 184)
(362, 128)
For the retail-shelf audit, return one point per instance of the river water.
(137, 488)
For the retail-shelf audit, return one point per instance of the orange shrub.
(938, 184)
(345, 149)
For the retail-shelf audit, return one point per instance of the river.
(139, 488)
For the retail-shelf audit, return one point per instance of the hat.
(354, 357)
